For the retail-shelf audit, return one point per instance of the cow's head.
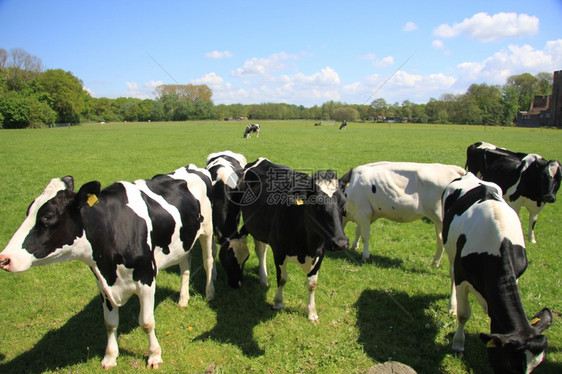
(51, 227)
(324, 202)
(233, 255)
(518, 352)
(550, 176)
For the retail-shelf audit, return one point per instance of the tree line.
(33, 97)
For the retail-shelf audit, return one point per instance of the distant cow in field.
(486, 250)
(226, 170)
(398, 191)
(525, 179)
(299, 216)
(126, 233)
(250, 129)
(343, 125)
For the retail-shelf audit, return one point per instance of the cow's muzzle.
(5, 263)
(339, 244)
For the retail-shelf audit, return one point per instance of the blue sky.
(296, 52)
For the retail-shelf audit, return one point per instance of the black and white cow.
(126, 233)
(299, 216)
(486, 250)
(250, 129)
(398, 191)
(343, 125)
(226, 170)
(526, 179)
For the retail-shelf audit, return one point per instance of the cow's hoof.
(108, 362)
(278, 306)
(154, 362)
(314, 319)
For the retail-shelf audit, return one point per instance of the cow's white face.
(46, 233)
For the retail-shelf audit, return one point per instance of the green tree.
(347, 113)
(380, 107)
(66, 92)
(525, 85)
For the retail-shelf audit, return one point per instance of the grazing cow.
(226, 169)
(252, 128)
(343, 125)
(297, 215)
(526, 179)
(398, 191)
(486, 250)
(126, 233)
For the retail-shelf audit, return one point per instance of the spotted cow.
(525, 179)
(299, 216)
(125, 233)
(486, 250)
(226, 170)
(398, 191)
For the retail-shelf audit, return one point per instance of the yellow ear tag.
(92, 200)
(347, 185)
(535, 320)
(299, 201)
(491, 344)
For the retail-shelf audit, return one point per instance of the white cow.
(398, 191)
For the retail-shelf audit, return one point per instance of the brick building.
(545, 110)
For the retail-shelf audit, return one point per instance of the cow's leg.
(209, 264)
(261, 252)
(311, 283)
(453, 297)
(147, 323)
(111, 319)
(185, 269)
(463, 314)
(534, 211)
(355, 243)
(364, 224)
(281, 280)
(439, 239)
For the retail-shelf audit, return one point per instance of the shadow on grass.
(395, 325)
(82, 338)
(354, 257)
(238, 311)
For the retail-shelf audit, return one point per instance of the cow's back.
(401, 191)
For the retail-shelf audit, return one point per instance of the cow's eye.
(48, 219)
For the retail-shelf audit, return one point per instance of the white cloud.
(295, 88)
(379, 63)
(146, 91)
(218, 54)
(513, 60)
(414, 87)
(409, 26)
(262, 66)
(437, 44)
(485, 28)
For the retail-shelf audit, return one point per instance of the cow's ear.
(542, 320)
(69, 182)
(88, 194)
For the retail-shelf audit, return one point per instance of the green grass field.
(392, 307)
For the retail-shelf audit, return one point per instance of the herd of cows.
(129, 231)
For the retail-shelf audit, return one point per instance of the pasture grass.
(392, 307)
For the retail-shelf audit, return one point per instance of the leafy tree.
(68, 96)
(380, 107)
(524, 84)
(346, 113)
